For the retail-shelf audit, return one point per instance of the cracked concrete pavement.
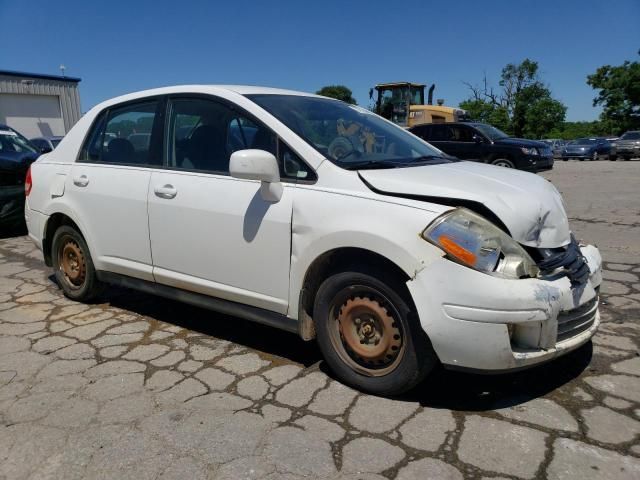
(140, 387)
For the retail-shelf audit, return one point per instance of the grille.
(575, 321)
(567, 260)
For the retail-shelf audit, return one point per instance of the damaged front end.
(508, 305)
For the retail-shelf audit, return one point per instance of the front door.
(211, 233)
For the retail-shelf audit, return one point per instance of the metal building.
(39, 105)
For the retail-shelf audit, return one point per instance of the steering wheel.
(341, 147)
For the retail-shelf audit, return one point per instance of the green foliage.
(542, 116)
(487, 112)
(573, 130)
(337, 91)
(619, 94)
(522, 107)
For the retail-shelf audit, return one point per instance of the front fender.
(323, 222)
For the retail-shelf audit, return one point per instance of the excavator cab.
(403, 103)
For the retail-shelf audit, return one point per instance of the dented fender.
(323, 222)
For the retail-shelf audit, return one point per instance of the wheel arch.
(55, 221)
(338, 260)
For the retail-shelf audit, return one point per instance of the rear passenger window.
(440, 133)
(423, 131)
(123, 135)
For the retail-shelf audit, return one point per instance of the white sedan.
(321, 218)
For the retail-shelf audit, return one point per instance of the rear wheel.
(503, 162)
(613, 158)
(73, 266)
(369, 334)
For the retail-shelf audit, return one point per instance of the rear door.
(109, 183)
(460, 139)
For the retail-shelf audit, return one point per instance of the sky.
(118, 46)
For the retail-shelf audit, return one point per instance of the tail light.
(28, 183)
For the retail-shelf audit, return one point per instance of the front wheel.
(73, 266)
(612, 158)
(369, 334)
(503, 162)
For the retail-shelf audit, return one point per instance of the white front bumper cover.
(480, 322)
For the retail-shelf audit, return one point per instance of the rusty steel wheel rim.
(367, 333)
(72, 262)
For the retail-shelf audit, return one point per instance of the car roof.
(207, 89)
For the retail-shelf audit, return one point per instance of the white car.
(320, 218)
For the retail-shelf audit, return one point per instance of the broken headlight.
(471, 240)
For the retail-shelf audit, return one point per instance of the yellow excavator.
(403, 103)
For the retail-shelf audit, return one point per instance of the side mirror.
(46, 149)
(258, 165)
(477, 138)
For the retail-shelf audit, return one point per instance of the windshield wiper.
(370, 165)
(412, 162)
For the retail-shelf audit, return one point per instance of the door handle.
(81, 181)
(167, 191)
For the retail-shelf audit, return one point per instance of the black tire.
(626, 158)
(86, 286)
(503, 162)
(612, 158)
(415, 357)
(565, 159)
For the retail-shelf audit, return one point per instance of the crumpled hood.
(528, 205)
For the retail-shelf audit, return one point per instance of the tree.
(337, 91)
(573, 130)
(523, 106)
(487, 112)
(619, 94)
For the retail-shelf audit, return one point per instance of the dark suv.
(483, 143)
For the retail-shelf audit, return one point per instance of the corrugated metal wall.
(67, 92)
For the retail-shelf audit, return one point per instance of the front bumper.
(537, 163)
(480, 322)
(578, 155)
(628, 151)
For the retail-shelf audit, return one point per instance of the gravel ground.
(141, 387)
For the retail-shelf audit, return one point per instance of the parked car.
(16, 154)
(327, 221)
(46, 144)
(628, 145)
(556, 145)
(484, 143)
(589, 149)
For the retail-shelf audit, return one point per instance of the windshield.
(583, 141)
(491, 132)
(11, 141)
(631, 136)
(349, 136)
